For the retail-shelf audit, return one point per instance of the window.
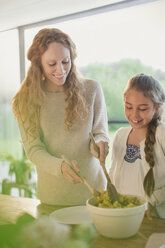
(9, 84)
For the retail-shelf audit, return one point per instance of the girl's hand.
(150, 212)
(69, 174)
(103, 151)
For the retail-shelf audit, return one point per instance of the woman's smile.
(59, 76)
(56, 64)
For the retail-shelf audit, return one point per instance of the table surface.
(11, 207)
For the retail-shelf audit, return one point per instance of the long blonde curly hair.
(28, 100)
(151, 88)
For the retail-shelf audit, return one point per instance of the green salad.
(125, 201)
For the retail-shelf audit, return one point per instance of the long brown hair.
(30, 97)
(151, 88)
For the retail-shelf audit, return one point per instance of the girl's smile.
(136, 122)
(139, 109)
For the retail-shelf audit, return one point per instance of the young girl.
(56, 109)
(138, 152)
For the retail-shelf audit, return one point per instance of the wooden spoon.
(113, 194)
(94, 192)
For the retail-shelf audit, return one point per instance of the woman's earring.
(42, 77)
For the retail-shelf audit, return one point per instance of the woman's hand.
(103, 151)
(69, 174)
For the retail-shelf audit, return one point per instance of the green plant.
(45, 232)
(22, 168)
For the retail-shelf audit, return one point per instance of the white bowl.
(117, 223)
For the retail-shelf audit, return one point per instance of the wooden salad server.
(94, 192)
(113, 194)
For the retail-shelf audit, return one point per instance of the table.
(11, 207)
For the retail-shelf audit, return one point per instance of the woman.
(56, 109)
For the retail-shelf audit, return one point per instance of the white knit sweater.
(45, 152)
